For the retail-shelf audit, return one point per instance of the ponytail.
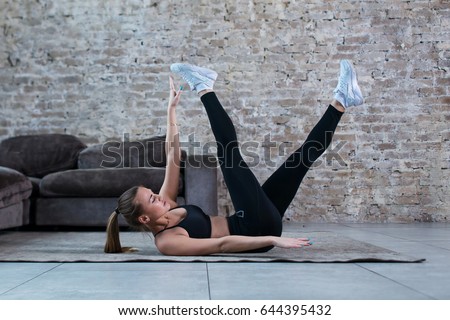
(112, 244)
(130, 211)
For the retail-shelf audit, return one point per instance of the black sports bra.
(196, 222)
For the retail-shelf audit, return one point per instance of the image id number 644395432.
(294, 309)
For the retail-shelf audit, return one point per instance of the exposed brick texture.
(99, 70)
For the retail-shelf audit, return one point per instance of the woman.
(257, 224)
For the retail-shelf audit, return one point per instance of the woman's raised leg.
(255, 213)
(283, 184)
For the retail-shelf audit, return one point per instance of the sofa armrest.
(200, 185)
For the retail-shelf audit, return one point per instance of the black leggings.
(260, 209)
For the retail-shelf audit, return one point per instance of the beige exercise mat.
(88, 247)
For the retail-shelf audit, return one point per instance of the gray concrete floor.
(374, 281)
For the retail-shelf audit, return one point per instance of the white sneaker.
(347, 91)
(198, 78)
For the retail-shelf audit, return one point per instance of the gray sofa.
(56, 180)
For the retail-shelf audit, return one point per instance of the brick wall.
(99, 70)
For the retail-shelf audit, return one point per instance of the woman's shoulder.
(169, 236)
(179, 210)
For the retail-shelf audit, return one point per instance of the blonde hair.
(130, 210)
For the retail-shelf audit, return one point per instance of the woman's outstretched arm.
(182, 245)
(169, 189)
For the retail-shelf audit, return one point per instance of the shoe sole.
(356, 93)
(203, 72)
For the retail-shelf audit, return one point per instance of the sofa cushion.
(124, 154)
(14, 187)
(38, 155)
(101, 182)
(15, 215)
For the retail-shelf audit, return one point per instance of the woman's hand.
(288, 243)
(175, 95)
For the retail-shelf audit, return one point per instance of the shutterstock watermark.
(263, 153)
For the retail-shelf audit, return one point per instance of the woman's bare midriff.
(219, 227)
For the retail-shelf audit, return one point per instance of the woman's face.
(152, 205)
